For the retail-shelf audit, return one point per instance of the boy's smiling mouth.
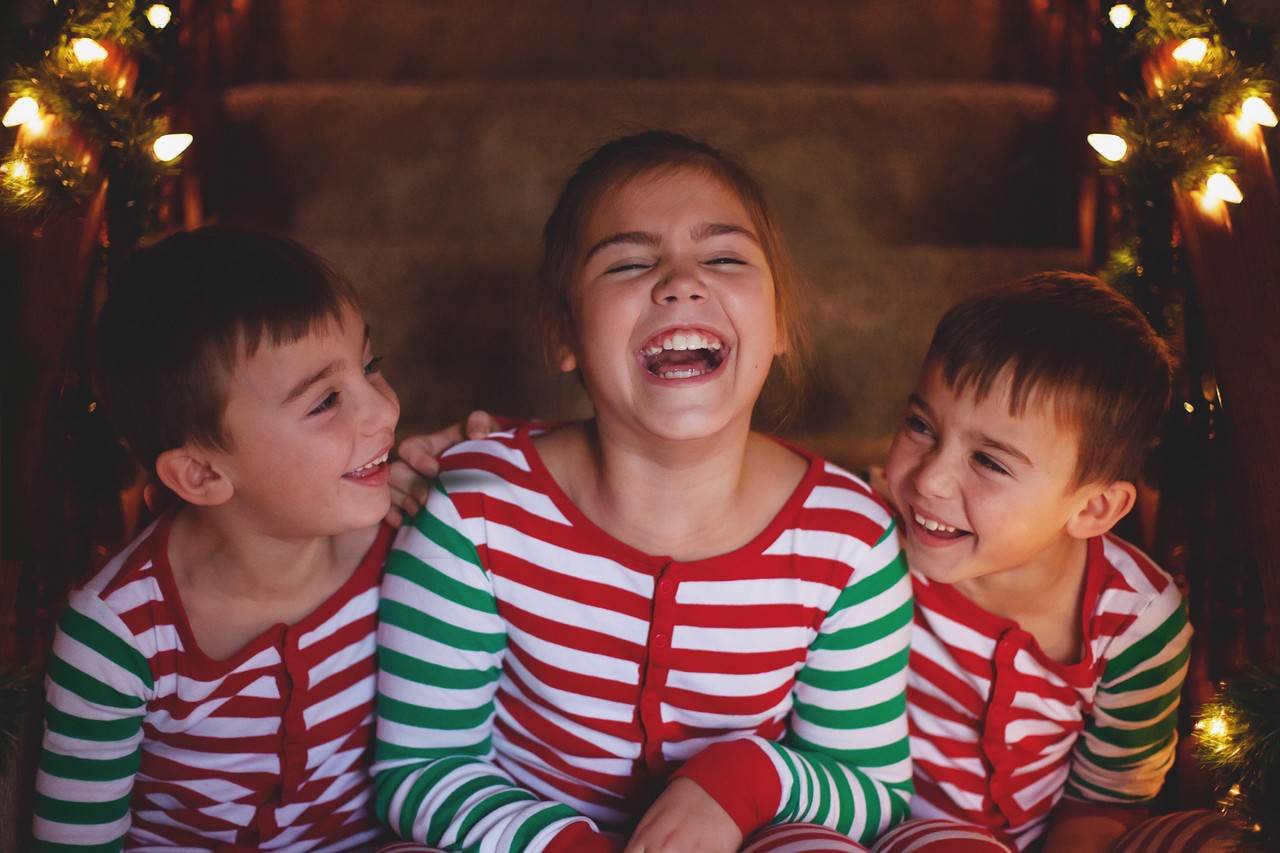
(933, 531)
(369, 470)
(683, 353)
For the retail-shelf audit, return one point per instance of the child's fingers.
(480, 423)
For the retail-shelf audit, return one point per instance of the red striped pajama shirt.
(999, 732)
(149, 744)
(540, 679)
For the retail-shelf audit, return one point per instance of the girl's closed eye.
(373, 366)
(725, 261)
(627, 266)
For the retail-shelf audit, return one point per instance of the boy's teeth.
(931, 525)
(372, 464)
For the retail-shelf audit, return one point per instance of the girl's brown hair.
(627, 158)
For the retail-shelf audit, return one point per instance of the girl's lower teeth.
(681, 374)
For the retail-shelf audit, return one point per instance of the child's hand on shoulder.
(685, 819)
(418, 460)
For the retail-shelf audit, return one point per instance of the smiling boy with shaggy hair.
(213, 685)
(1048, 655)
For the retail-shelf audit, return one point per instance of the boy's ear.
(191, 474)
(1106, 505)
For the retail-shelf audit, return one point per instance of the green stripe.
(423, 717)
(1119, 762)
(877, 584)
(1148, 710)
(1149, 646)
(871, 827)
(89, 688)
(426, 625)
(434, 675)
(80, 812)
(857, 718)
(1154, 676)
(878, 756)
(388, 751)
(95, 636)
(1083, 788)
(538, 822)
(848, 679)
(444, 815)
(90, 769)
(445, 536)
(420, 787)
(87, 728)
(485, 807)
(418, 572)
(861, 635)
(386, 784)
(1136, 738)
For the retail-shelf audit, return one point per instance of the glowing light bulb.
(159, 15)
(1121, 15)
(23, 110)
(1221, 188)
(1110, 146)
(1192, 51)
(88, 51)
(1258, 111)
(20, 170)
(1190, 407)
(1235, 791)
(170, 145)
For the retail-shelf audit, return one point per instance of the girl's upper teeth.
(684, 341)
(930, 524)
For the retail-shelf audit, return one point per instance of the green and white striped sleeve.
(97, 689)
(440, 648)
(845, 761)
(1129, 740)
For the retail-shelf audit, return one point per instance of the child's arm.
(440, 648)
(845, 761)
(1128, 742)
(97, 689)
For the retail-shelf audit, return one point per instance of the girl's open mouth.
(683, 354)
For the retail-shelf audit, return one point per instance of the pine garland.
(1238, 740)
(16, 684)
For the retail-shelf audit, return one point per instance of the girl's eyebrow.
(643, 238)
(707, 230)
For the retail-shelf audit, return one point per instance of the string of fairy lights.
(1193, 88)
(75, 113)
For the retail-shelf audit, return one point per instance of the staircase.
(419, 145)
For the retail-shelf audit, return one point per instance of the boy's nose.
(381, 410)
(934, 478)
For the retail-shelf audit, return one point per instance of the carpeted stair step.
(736, 39)
(456, 322)
(904, 163)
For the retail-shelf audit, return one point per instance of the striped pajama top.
(999, 732)
(540, 679)
(151, 745)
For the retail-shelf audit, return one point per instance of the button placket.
(657, 665)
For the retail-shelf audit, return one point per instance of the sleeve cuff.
(581, 837)
(740, 777)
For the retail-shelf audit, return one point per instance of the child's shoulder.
(837, 500)
(131, 576)
(1127, 573)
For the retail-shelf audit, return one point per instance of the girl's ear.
(191, 474)
(565, 359)
(1106, 505)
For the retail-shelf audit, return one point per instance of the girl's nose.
(680, 283)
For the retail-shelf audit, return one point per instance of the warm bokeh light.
(1192, 51)
(1258, 111)
(1110, 146)
(1121, 15)
(88, 50)
(159, 15)
(23, 110)
(1221, 187)
(170, 145)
